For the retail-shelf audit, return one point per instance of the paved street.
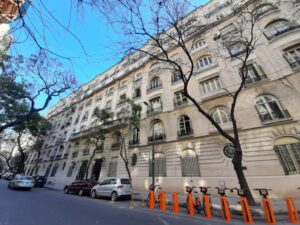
(47, 207)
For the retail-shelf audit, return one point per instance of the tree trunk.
(237, 164)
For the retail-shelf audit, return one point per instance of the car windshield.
(125, 181)
(25, 178)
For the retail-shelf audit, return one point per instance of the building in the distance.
(10, 10)
(188, 149)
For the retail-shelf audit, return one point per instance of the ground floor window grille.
(112, 168)
(289, 156)
(160, 167)
(189, 164)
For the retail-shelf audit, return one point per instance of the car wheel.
(114, 196)
(66, 191)
(93, 194)
(80, 193)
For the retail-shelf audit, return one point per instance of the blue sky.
(95, 51)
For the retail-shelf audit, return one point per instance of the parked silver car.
(114, 188)
(21, 181)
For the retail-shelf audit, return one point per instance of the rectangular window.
(112, 168)
(180, 98)
(255, 73)
(292, 55)
(210, 85)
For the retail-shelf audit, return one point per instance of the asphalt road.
(41, 206)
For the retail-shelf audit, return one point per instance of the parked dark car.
(80, 187)
(40, 181)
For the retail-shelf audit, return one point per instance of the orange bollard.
(293, 213)
(207, 206)
(151, 199)
(225, 208)
(162, 201)
(247, 216)
(190, 204)
(175, 202)
(269, 213)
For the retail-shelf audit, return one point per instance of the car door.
(111, 186)
(101, 188)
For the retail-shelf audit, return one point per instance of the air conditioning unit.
(217, 35)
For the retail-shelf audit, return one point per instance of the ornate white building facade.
(188, 149)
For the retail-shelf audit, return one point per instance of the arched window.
(85, 116)
(54, 169)
(204, 62)
(189, 164)
(110, 91)
(155, 83)
(277, 28)
(198, 44)
(157, 132)
(263, 9)
(116, 141)
(185, 127)
(220, 115)
(160, 166)
(288, 151)
(269, 108)
(137, 77)
(135, 136)
(123, 84)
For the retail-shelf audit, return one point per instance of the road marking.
(163, 221)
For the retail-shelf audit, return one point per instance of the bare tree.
(6, 152)
(29, 84)
(128, 119)
(97, 141)
(155, 29)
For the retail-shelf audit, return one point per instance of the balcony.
(137, 80)
(295, 64)
(58, 156)
(86, 152)
(99, 149)
(284, 28)
(185, 133)
(60, 140)
(274, 116)
(120, 103)
(154, 87)
(251, 80)
(180, 103)
(157, 137)
(66, 155)
(115, 145)
(154, 109)
(74, 154)
(134, 142)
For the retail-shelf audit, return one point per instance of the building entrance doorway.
(96, 169)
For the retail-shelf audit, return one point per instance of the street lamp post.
(152, 162)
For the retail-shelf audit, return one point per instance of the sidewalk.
(279, 206)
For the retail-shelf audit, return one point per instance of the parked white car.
(114, 188)
(21, 181)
